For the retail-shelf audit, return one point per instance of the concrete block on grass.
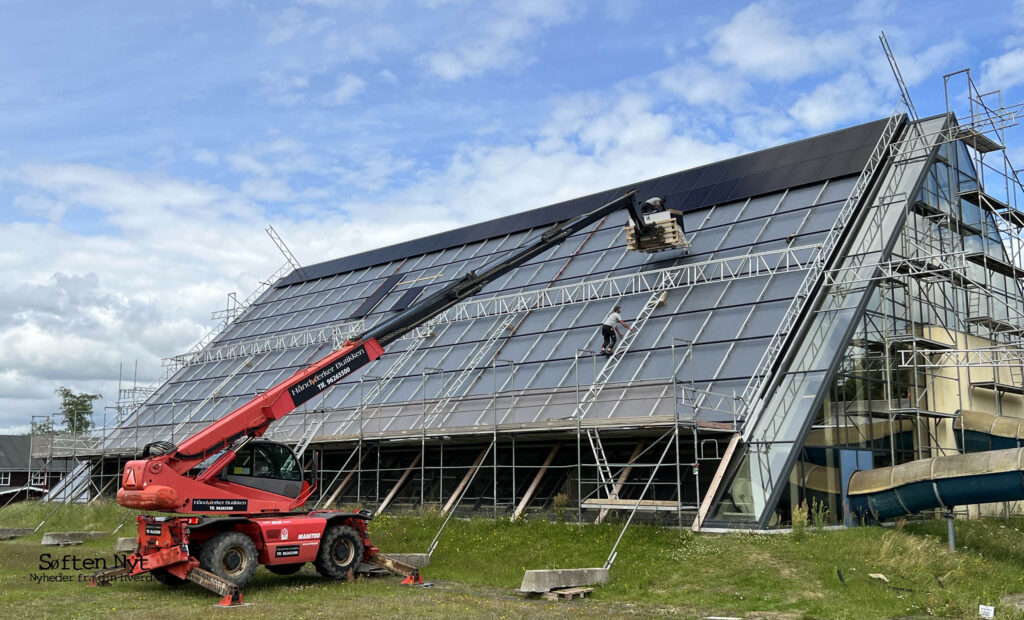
(59, 539)
(14, 532)
(546, 580)
(419, 560)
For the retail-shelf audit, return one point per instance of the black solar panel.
(788, 165)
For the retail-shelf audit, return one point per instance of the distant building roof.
(14, 452)
(14, 455)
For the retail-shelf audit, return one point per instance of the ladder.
(213, 394)
(604, 471)
(499, 330)
(373, 394)
(762, 376)
(613, 360)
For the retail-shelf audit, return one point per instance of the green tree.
(42, 428)
(76, 409)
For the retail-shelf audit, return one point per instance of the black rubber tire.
(161, 576)
(341, 551)
(231, 555)
(285, 569)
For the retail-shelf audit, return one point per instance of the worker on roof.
(653, 205)
(610, 329)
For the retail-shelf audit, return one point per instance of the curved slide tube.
(977, 431)
(939, 482)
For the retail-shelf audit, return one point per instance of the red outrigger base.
(280, 539)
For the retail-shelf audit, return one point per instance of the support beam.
(344, 483)
(99, 494)
(398, 485)
(457, 495)
(628, 469)
(523, 503)
(709, 498)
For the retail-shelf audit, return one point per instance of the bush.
(560, 503)
(800, 517)
(819, 515)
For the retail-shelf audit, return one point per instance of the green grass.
(659, 571)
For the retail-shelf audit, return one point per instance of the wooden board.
(566, 594)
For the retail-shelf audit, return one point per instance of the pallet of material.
(567, 594)
(665, 234)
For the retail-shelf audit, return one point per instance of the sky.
(146, 146)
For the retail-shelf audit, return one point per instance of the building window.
(38, 479)
(5, 478)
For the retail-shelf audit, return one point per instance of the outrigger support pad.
(232, 596)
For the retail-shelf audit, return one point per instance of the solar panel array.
(528, 373)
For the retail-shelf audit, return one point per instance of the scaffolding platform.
(913, 341)
(996, 325)
(666, 233)
(977, 140)
(995, 264)
(997, 386)
(993, 205)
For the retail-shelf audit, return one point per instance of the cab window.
(266, 460)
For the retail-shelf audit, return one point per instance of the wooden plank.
(523, 503)
(398, 485)
(457, 495)
(705, 506)
(629, 503)
(622, 479)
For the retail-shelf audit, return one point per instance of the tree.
(42, 428)
(76, 409)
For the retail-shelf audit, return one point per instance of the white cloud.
(205, 156)
(1003, 72)
(282, 88)
(349, 86)
(850, 97)
(284, 25)
(760, 43)
(387, 76)
(496, 43)
(699, 84)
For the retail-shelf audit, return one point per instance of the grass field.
(480, 562)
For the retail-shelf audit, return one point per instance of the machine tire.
(161, 576)
(285, 569)
(341, 550)
(231, 555)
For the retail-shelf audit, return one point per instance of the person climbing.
(610, 329)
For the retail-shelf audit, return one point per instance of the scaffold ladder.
(613, 360)
(761, 377)
(604, 470)
(499, 330)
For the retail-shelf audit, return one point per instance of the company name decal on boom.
(327, 376)
(220, 505)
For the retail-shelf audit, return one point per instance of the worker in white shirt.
(610, 329)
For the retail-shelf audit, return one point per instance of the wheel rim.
(344, 552)
(234, 561)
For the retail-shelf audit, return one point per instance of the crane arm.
(254, 417)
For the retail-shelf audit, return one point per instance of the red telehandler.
(256, 487)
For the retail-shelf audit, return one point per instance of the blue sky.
(146, 146)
